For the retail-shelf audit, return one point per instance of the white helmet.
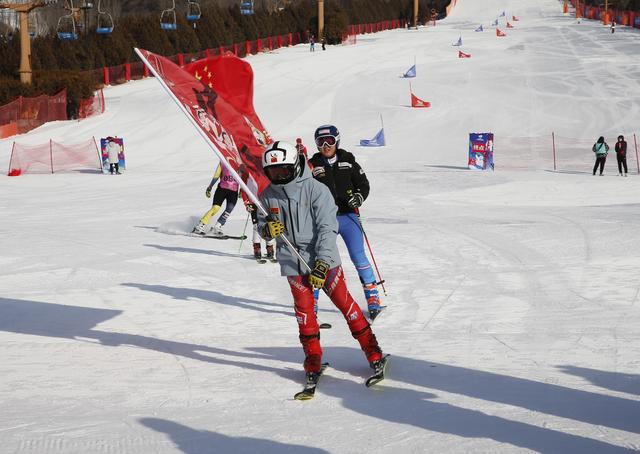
(281, 162)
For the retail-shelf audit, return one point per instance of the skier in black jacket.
(339, 171)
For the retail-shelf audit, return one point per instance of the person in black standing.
(621, 154)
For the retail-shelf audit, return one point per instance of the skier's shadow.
(193, 441)
(417, 408)
(615, 381)
(74, 322)
(200, 251)
(183, 293)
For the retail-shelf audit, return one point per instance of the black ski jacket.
(621, 148)
(343, 176)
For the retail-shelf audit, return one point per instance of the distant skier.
(600, 148)
(227, 190)
(338, 170)
(621, 154)
(312, 44)
(613, 27)
(303, 209)
(323, 41)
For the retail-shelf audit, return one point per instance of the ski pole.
(366, 238)
(244, 230)
(380, 280)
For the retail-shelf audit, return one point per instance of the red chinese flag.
(217, 92)
(417, 102)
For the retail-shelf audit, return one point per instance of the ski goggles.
(321, 141)
(280, 174)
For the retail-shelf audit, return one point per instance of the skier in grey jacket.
(304, 211)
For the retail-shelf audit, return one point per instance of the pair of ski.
(309, 390)
(264, 260)
(219, 237)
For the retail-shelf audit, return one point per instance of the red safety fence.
(115, 75)
(92, 106)
(25, 114)
(54, 157)
(621, 17)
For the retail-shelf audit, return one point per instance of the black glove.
(355, 201)
(319, 274)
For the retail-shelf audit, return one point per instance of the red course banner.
(217, 93)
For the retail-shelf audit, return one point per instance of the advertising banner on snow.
(481, 151)
(112, 152)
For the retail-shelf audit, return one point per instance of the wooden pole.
(320, 20)
(23, 10)
(25, 49)
(636, 143)
(553, 140)
(415, 14)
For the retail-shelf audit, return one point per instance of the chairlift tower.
(23, 10)
(85, 7)
(320, 20)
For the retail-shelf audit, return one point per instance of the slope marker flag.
(479, 29)
(459, 42)
(417, 102)
(463, 55)
(509, 25)
(494, 23)
(377, 141)
(411, 72)
(500, 33)
(514, 19)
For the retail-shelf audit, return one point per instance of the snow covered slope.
(513, 295)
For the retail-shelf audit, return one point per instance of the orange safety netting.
(92, 106)
(29, 113)
(54, 157)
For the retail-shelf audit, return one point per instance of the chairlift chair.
(105, 21)
(168, 18)
(193, 11)
(66, 28)
(246, 7)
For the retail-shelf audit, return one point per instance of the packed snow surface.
(513, 296)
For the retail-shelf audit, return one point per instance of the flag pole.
(217, 152)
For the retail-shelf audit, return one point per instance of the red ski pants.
(336, 288)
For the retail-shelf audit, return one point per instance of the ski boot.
(217, 230)
(257, 251)
(373, 300)
(270, 253)
(200, 229)
(378, 367)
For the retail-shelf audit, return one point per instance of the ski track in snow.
(513, 307)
